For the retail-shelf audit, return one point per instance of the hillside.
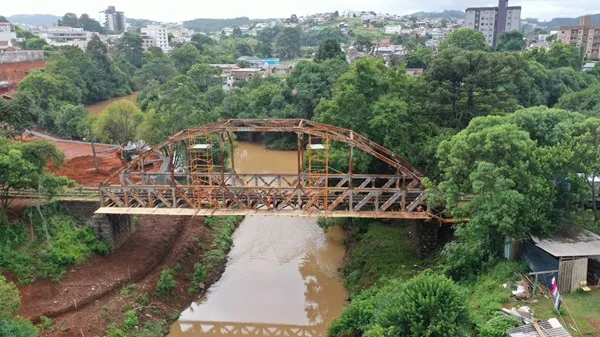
(447, 14)
(34, 19)
(556, 22)
(140, 23)
(216, 25)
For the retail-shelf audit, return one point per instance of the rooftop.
(570, 242)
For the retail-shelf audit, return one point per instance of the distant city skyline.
(182, 10)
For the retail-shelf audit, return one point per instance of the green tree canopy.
(287, 43)
(329, 49)
(511, 41)
(185, 57)
(465, 38)
(129, 46)
(118, 123)
(23, 166)
(428, 305)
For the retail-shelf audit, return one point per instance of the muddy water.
(97, 108)
(282, 273)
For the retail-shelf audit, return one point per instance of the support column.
(425, 237)
(116, 229)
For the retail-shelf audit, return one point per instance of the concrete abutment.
(115, 229)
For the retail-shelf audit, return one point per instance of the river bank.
(94, 297)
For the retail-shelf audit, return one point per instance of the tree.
(68, 120)
(559, 55)
(69, 20)
(185, 57)
(3, 19)
(428, 305)
(201, 40)
(586, 100)
(287, 43)
(513, 168)
(264, 49)
(585, 145)
(47, 89)
(269, 33)
(118, 123)
(329, 49)
(160, 69)
(363, 43)
(335, 15)
(237, 33)
(35, 44)
(243, 48)
(129, 46)
(17, 115)
(465, 84)
(464, 38)
(294, 18)
(90, 25)
(419, 58)
(204, 76)
(511, 41)
(10, 300)
(23, 167)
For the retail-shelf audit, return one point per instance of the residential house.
(393, 30)
(112, 20)
(281, 70)
(7, 34)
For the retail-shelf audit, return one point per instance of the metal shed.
(571, 247)
(549, 328)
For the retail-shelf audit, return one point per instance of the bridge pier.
(114, 228)
(425, 237)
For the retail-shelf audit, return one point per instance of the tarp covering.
(539, 261)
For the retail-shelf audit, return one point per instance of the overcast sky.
(178, 10)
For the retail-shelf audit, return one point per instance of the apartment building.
(112, 20)
(493, 21)
(155, 36)
(585, 35)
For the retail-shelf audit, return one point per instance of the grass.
(580, 311)
(384, 251)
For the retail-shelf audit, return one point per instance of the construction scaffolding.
(317, 151)
(201, 167)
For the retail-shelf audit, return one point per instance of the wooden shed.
(572, 248)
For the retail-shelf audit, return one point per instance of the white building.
(112, 20)
(65, 36)
(393, 30)
(493, 21)
(157, 33)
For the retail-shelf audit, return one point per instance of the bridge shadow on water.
(215, 329)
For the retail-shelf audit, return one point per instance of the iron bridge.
(194, 178)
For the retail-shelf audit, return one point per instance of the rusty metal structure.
(195, 179)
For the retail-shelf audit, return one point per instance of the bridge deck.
(262, 212)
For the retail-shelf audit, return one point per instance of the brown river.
(98, 108)
(282, 273)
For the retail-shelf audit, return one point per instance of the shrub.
(166, 282)
(130, 321)
(45, 323)
(142, 299)
(151, 329)
(497, 326)
(17, 328)
(198, 277)
(128, 290)
(428, 305)
(9, 298)
(114, 331)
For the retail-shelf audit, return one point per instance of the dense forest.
(518, 132)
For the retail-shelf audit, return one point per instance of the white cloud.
(177, 10)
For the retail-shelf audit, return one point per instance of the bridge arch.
(196, 185)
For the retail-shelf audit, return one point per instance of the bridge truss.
(196, 180)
